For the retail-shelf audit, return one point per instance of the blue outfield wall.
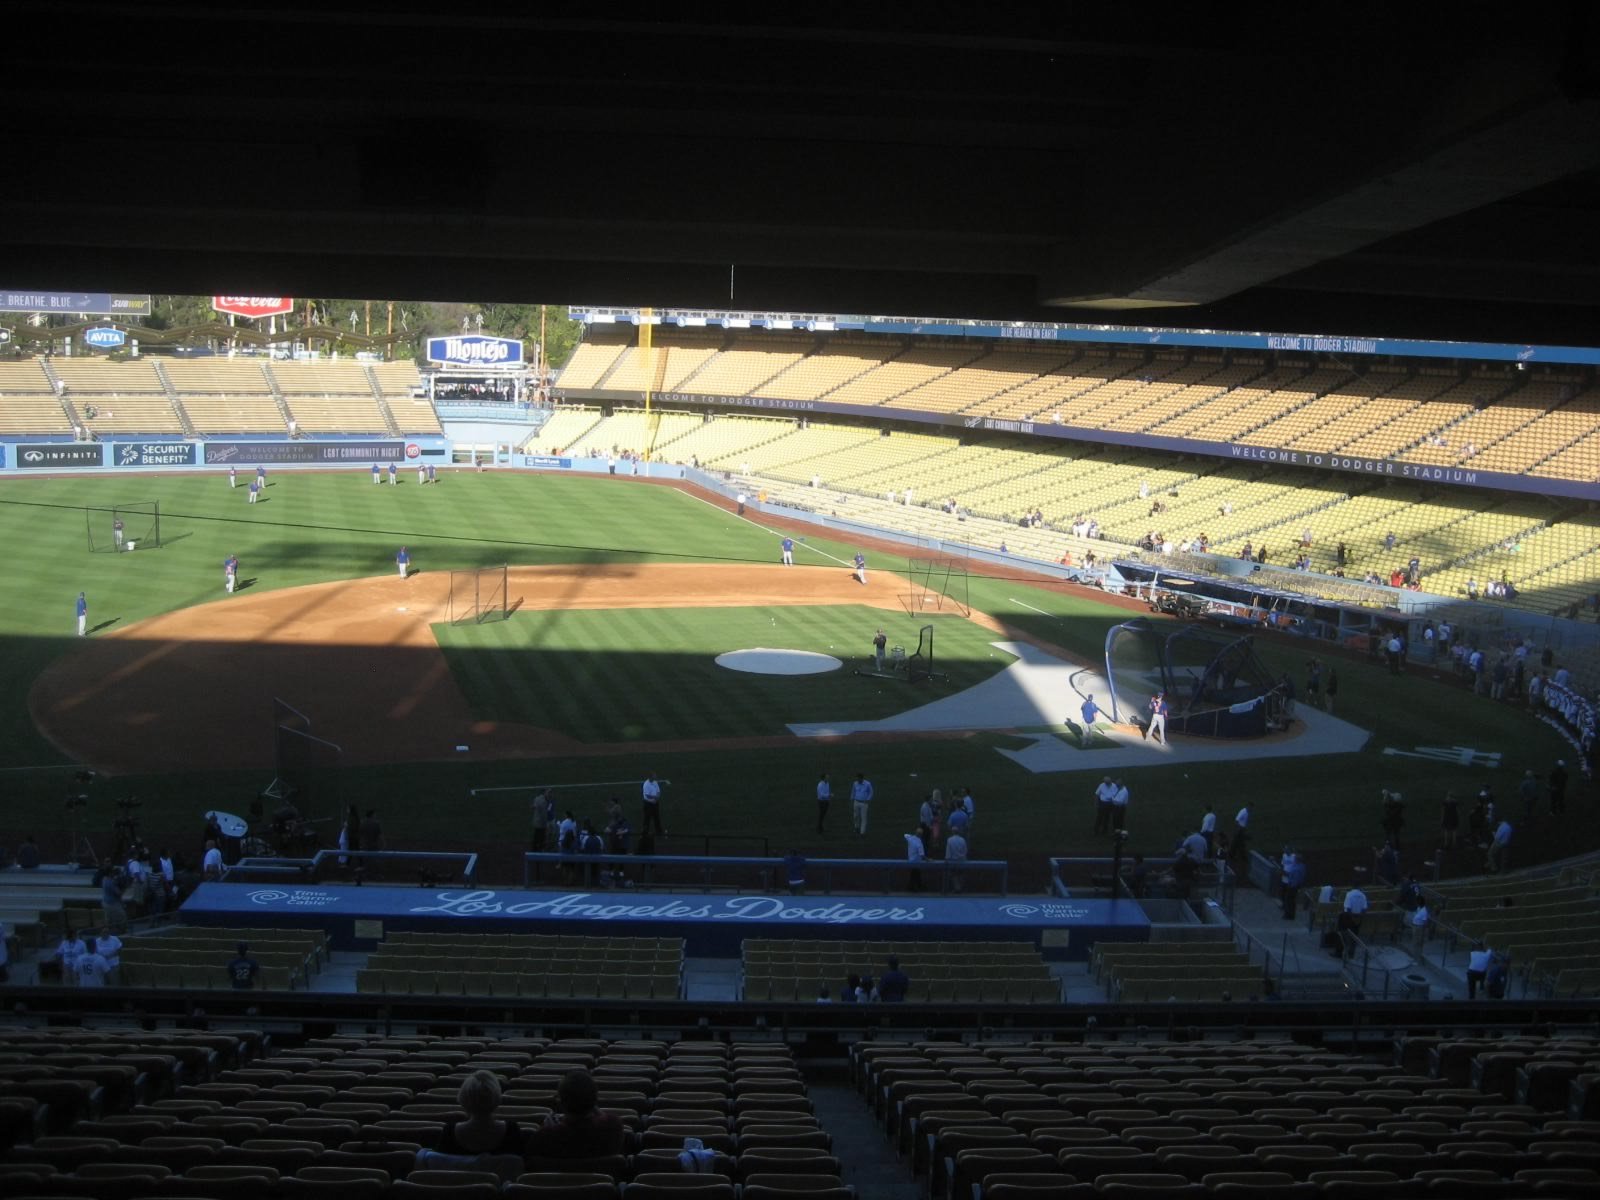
(133, 453)
(711, 925)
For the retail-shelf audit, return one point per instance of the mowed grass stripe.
(697, 701)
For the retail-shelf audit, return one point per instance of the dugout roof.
(1381, 169)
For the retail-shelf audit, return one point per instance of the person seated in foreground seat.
(579, 1130)
(482, 1142)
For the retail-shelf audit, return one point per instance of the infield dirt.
(193, 689)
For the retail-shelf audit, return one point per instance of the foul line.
(1025, 604)
(777, 532)
(539, 787)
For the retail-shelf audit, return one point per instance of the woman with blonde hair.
(482, 1141)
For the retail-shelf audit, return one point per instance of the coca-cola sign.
(253, 306)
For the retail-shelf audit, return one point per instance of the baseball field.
(620, 595)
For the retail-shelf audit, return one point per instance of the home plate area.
(1033, 695)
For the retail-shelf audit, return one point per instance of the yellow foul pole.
(646, 345)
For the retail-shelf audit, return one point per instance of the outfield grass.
(322, 527)
(649, 674)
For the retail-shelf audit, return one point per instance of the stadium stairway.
(870, 1161)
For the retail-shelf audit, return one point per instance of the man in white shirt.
(1102, 805)
(860, 800)
(1355, 902)
(824, 798)
(1561, 676)
(1119, 806)
(92, 967)
(1477, 967)
(650, 793)
(1208, 829)
(1241, 819)
(1194, 846)
(968, 805)
(109, 945)
(211, 864)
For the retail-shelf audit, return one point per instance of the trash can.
(1414, 986)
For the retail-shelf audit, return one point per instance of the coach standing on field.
(650, 793)
(403, 561)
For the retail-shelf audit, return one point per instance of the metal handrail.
(308, 868)
(771, 870)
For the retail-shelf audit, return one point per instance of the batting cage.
(1214, 683)
(135, 525)
(479, 595)
(936, 585)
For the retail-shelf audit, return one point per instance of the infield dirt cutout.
(193, 689)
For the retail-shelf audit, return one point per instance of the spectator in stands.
(847, 994)
(1305, 537)
(110, 947)
(540, 813)
(1496, 978)
(67, 955)
(618, 835)
(91, 966)
(112, 881)
(1291, 879)
(1449, 820)
(1479, 960)
(28, 854)
(1528, 792)
(1246, 552)
(893, 983)
(242, 969)
(1386, 863)
(1499, 847)
(481, 1142)
(580, 1130)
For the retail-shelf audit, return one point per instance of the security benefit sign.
(46, 457)
(153, 454)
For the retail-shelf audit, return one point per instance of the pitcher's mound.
(762, 661)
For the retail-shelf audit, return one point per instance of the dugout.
(1216, 685)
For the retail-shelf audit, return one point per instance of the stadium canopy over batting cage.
(1215, 684)
(140, 526)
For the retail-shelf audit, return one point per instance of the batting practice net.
(479, 595)
(140, 522)
(937, 585)
(919, 666)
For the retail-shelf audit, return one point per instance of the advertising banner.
(104, 338)
(75, 455)
(153, 454)
(253, 306)
(352, 451)
(476, 350)
(544, 460)
(100, 304)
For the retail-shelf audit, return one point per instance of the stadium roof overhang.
(1404, 173)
